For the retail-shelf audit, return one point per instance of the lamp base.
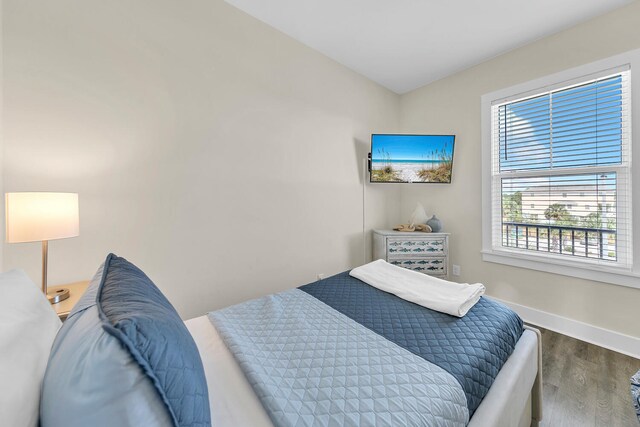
(58, 295)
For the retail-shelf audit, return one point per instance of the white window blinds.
(561, 171)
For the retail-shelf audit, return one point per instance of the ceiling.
(405, 44)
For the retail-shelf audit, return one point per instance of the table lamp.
(40, 217)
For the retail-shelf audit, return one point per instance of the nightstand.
(76, 290)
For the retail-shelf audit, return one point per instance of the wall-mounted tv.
(411, 158)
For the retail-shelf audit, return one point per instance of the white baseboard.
(612, 340)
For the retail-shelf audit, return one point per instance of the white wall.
(219, 155)
(452, 105)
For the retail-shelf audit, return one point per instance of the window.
(557, 173)
(570, 139)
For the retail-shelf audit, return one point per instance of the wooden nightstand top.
(76, 290)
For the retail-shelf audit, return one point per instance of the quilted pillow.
(124, 357)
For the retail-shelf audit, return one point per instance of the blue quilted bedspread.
(472, 348)
(311, 366)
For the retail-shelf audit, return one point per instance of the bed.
(333, 352)
(513, 398)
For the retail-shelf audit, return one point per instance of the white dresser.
(427, 253)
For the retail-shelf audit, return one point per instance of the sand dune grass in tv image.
(439, 173)
(412, 158)
(384, 171)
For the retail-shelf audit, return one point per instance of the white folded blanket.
(452, 298)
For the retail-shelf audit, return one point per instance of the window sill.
(594, 272)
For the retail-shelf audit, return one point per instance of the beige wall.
(453, 105)
(224, 158)
(219, 155)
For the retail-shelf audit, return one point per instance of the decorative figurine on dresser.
(427, 253)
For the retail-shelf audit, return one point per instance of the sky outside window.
(580, 126)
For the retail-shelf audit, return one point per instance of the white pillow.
(28, 326)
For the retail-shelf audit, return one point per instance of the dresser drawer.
(418, 246)
(433, 266)
(426, 253)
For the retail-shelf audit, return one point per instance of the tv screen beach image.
(411, 158)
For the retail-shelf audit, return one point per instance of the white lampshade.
(32, 217)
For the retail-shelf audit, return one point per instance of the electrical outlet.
(320, 276)
(456, 270)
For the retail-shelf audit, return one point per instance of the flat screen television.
(411, 158)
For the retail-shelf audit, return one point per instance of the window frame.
(628, 275)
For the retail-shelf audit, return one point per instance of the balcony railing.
(600, 243)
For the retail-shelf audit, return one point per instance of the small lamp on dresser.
(40, 217)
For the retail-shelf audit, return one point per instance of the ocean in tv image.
(411, 158)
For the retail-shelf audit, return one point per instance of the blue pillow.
(124, 357)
